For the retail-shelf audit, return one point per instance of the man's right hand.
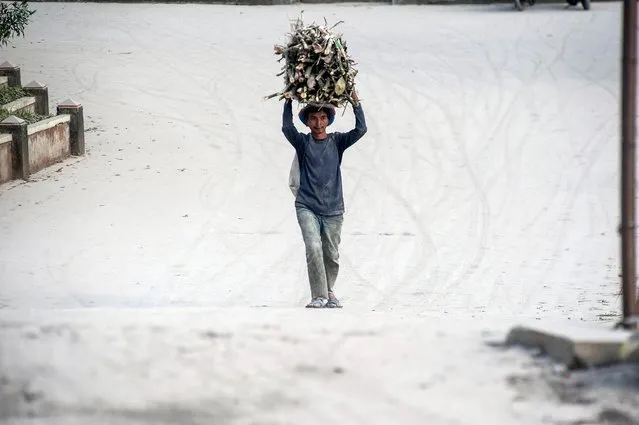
(355, 98)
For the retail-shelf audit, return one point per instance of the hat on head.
(313, 107)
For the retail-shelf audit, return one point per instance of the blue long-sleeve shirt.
(320, 176)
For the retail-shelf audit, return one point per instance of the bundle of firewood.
(317, 68)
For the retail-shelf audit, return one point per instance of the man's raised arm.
(349, 139)
(288, 128)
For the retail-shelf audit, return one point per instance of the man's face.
(317, 121)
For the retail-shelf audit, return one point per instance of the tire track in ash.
(560, 58)
(412, 214)
(534, 77)
(485, 207)
(578, 189)
(168, 291)
(92, 86)
(499, 70)
(286, 255)
(392, 244)
(207, 192)
(380, 128)
(593, 156)
(213, 183)
(517, 151)
(374, 174)
(449, 118)
(500, 123)
(525, 297)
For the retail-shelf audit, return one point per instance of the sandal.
(318, 302)
(333, 302)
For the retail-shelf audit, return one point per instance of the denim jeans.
(322, 235)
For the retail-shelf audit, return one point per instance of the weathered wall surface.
(48, 142)
(6, 162)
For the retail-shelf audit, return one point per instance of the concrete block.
(17, 127)
(27, 103)
(76, 127)
(41, 94)
(12, 72)
(6, 161)
(575, 346)
(629, 351)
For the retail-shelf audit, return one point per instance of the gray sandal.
(333, 302)
(317, 302)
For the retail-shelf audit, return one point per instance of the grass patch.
(9, 94)
(29, 117)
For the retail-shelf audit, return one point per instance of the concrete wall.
(6, 161)
(27, 103)
(48, 142)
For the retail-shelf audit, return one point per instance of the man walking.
(319, 201)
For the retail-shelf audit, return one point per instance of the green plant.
(29, 117)
(9, 94)
(14, 18)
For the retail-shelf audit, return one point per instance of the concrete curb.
(574, 346)
(630, 349)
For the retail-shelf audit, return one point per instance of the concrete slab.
(47, 123)
(26, 103)
(630, 349)
(574, 345)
